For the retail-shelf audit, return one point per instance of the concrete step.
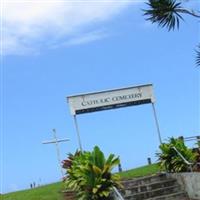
(153, 193)
(144, 180)
(69, 195)
(174, 196)
(148, 187)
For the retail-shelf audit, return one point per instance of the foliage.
(164, 12)
(198, 58)
(89, 174)
(169, 158)
(198, 143)
(168, 13)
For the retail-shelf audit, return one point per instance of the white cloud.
(32, 25)
(82, 38)
(92, 36)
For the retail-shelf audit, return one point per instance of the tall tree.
(169, 13)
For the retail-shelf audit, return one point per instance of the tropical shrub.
(89, 174)
(169, 158)
(198, 141)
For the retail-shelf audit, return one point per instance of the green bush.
(169, 158)
(198, 143)
(89, 174)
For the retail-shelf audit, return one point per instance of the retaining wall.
(190, 182)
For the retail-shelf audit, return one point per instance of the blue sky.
(53, 50)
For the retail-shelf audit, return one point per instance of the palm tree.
(168, 13)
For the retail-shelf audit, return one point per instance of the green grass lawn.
(53, 191)
(47, 192)
(140, 171)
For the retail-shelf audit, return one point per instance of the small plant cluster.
(171, 161)
(198, 142)
(89, 174)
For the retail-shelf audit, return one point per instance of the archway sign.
(111, 99)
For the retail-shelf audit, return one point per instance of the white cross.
(56, 141)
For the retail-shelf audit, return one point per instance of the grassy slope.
(47, 192)
(52, 191)
(140, 171)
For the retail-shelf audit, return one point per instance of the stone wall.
(190, 182)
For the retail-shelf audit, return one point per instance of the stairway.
(69, 195)
(156, 187)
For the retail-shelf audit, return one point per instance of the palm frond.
(198, 56)
(164, 12)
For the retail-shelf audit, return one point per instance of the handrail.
(196, 136)
(118, 196)
(191, 138)
(184, 159)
